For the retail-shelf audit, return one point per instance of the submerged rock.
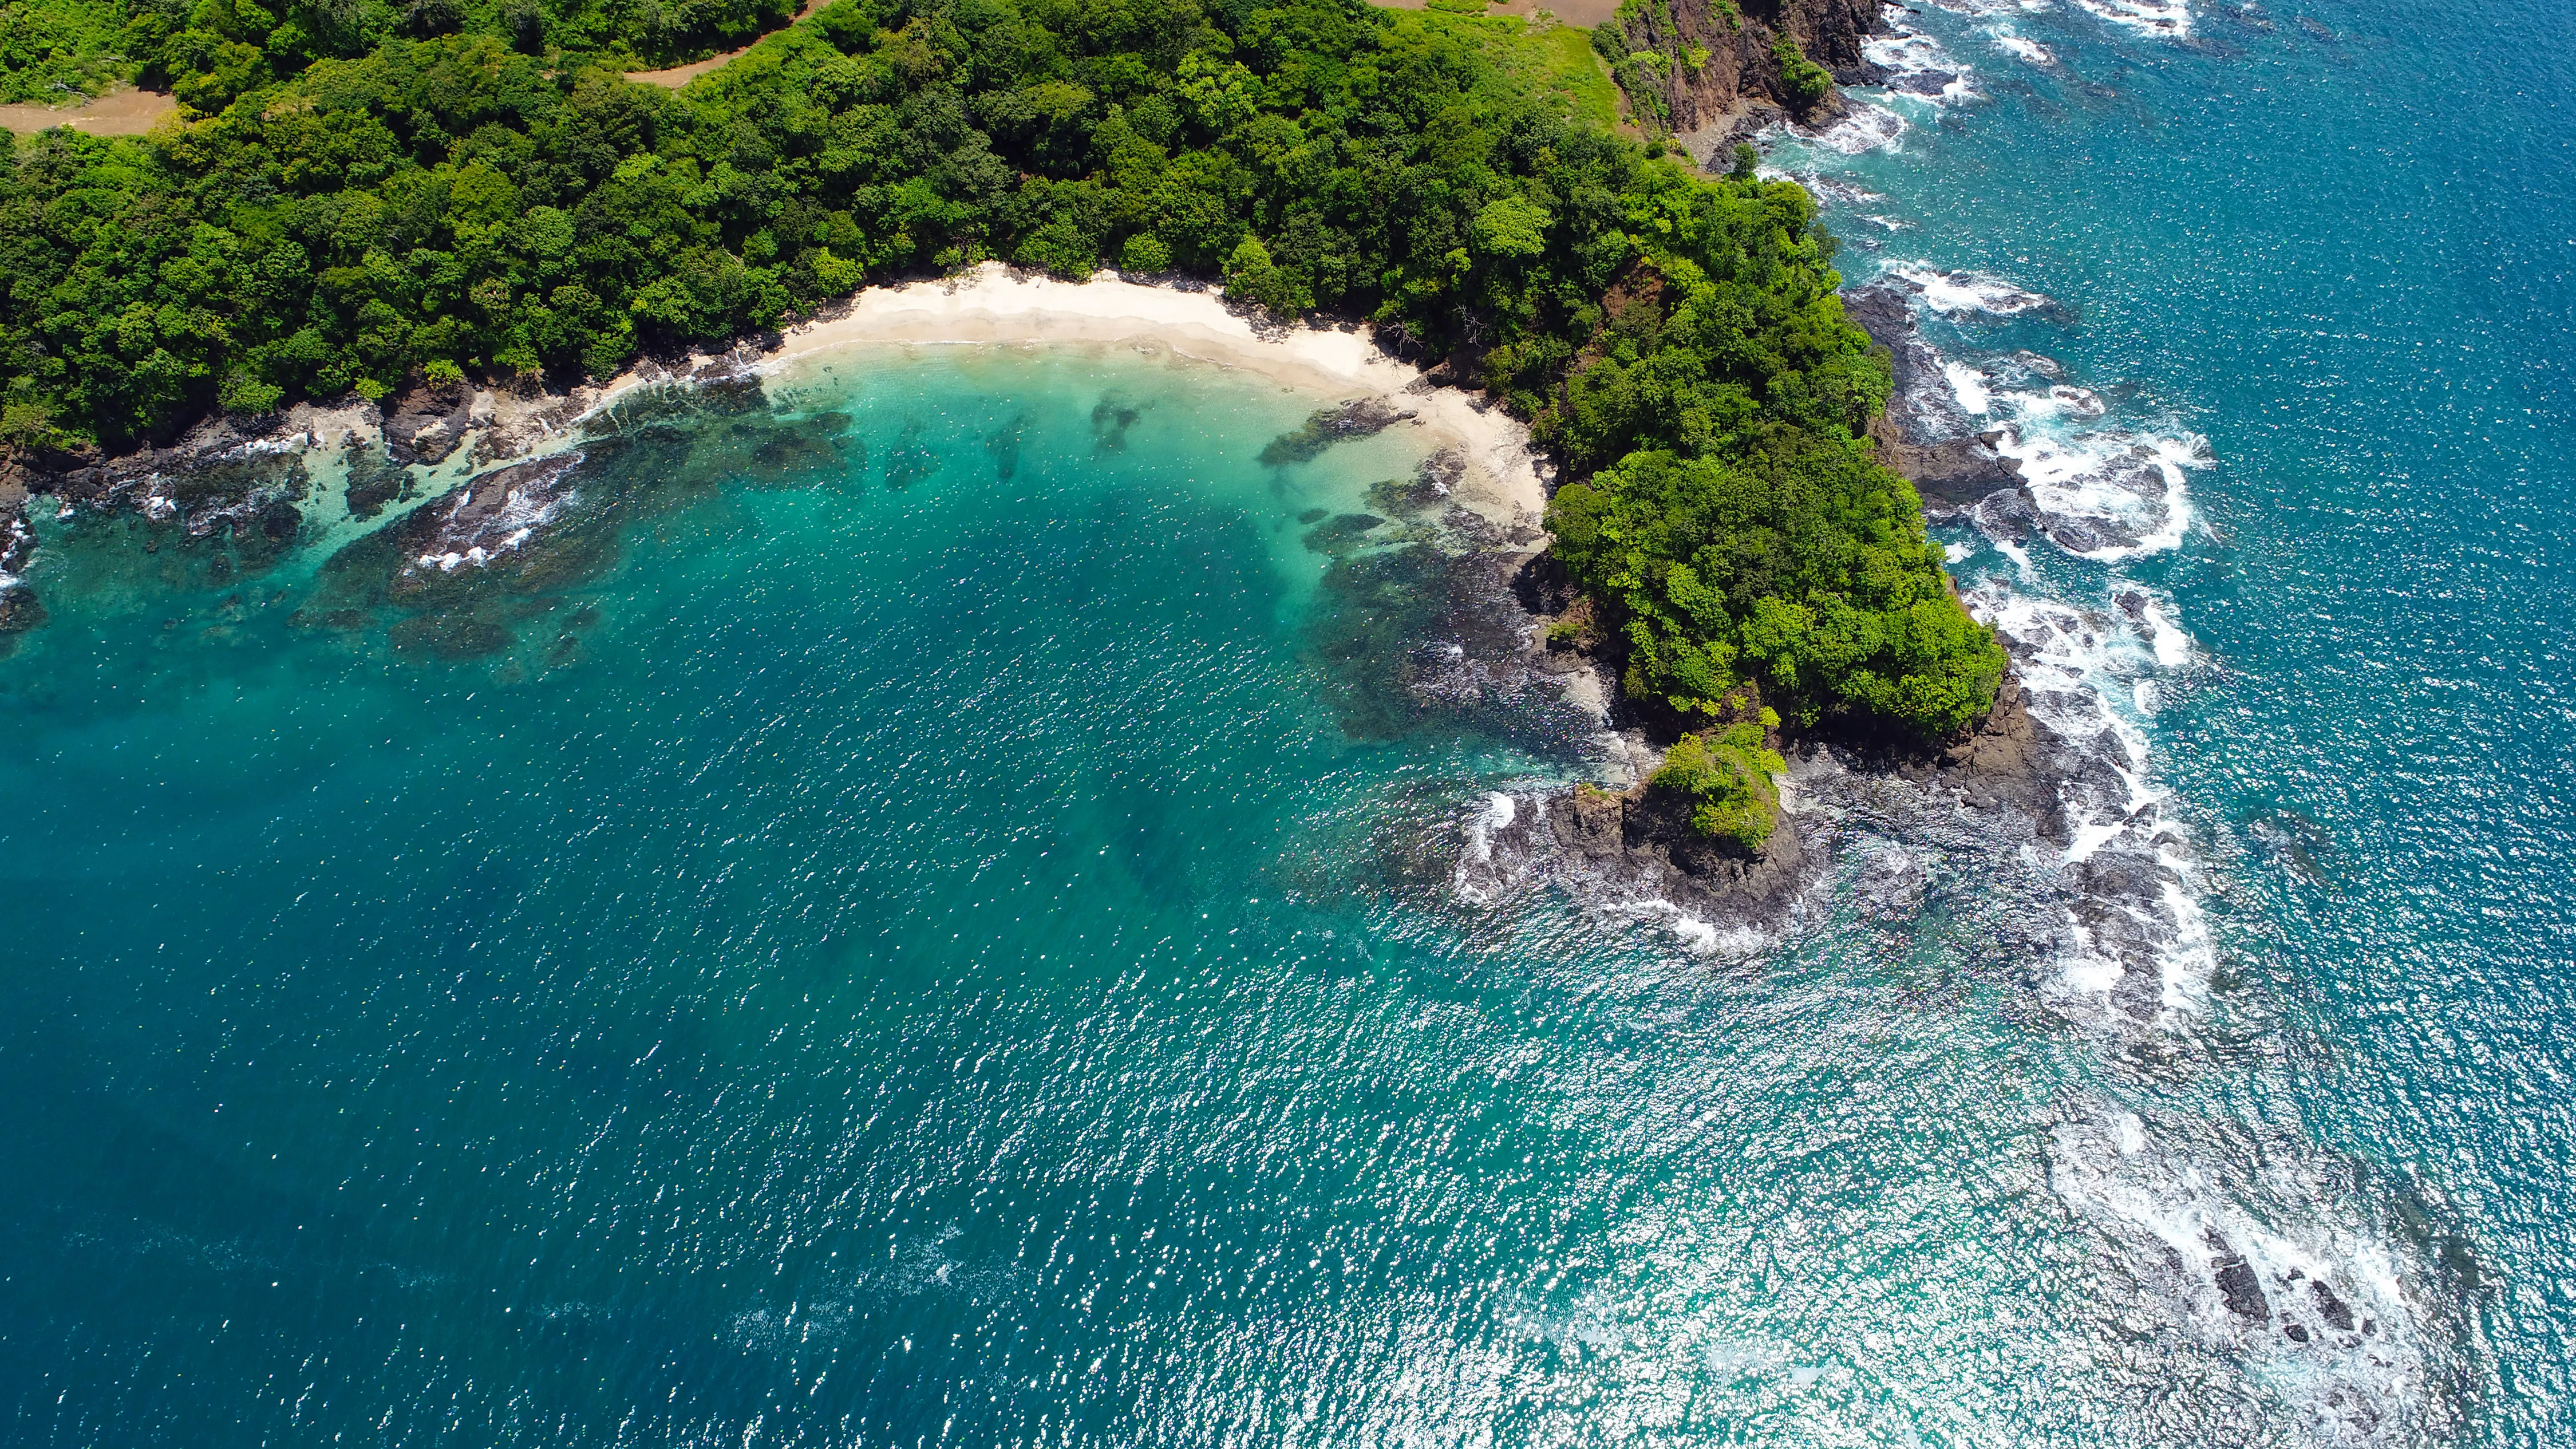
(490, 514)
(1358, 418)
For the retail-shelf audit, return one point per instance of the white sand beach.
(991, 305)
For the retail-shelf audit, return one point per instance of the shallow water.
(928, 918)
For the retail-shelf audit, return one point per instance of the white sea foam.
(1866, 128)
(1702, 938)
(2080, 402)
(1968, 385)
(2172, 21)
(1824, 188)
(1994, 7)
(2172, 645)
(1916, 65)
(2110, 495)
(2021, 47)
(1498, 814)
(2314, 1306)
(2139, 944)
(1958, 293)
(501, 528)
(2048, 405)
(1480, 877)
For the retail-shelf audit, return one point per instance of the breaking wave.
(2171, 21)
(1959, 293)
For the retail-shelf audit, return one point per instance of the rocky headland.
(1712, 71)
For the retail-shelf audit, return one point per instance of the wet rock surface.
(1924, 434)
(1422, 625)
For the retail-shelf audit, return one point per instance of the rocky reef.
(228, 500)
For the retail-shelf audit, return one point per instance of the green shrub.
(1807, 81)
(1725, 776)
(1252, 276)
(1145, 252)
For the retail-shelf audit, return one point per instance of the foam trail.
(1969, 386)
(2172, 21)
(2138, 941)
(2020, 47)
(1866, 128)
(1959, 293)
(2112, 495)
(1916, 66)
(2315, 1306)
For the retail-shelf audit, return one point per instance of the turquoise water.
(926, 914)
(949, 950)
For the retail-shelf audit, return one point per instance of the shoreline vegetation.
(384, 220)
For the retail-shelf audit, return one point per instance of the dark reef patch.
(1358, 418)
(498, 561)
(1111, 417)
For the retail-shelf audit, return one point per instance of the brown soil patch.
(119, 113)
(1583, 14)
(679, 75)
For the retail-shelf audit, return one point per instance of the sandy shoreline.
(445, 440)
(990, 305)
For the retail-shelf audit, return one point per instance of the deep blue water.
(949, 937)
(2338, 242)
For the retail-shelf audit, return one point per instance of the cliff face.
(1710, 69)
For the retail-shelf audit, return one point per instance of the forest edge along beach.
(371, 219)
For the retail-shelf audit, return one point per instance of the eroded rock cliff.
(1712, 69)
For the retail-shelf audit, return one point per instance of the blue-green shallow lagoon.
(932, 961)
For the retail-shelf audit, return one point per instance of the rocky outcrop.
(1713, 70)
(1643, 838)
(239, 493)
(1924, 434)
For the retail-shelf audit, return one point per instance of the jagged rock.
(2237, 1283)
(1924, 434)
(1738, 87)
(2336, 1313)
(426, 424)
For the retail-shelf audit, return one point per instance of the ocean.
(925, 911)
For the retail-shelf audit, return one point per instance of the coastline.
(223, 474)
(991, 305)
(484, 473)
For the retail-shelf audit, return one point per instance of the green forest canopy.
(451, 204)
(208, 51)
